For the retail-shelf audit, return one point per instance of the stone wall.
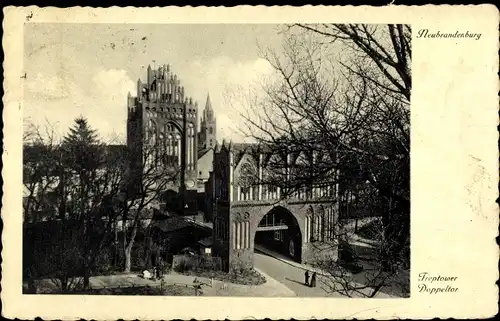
(319, 251)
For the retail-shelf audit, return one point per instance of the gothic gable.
(246, 172)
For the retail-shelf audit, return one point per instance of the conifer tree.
(81, 146)
(92, 181)
(81, 179)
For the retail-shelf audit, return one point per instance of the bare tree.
(341, 97)
(45, 201)
(147, 182)
(40, 163)
(75, 182)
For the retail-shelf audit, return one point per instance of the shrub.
(353, 267)
(346, 253)
(184, 265)
(371, 231)
(104, 261)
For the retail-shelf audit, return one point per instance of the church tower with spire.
(208, 128)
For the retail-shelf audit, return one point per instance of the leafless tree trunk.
(155, 174)
(128, 256)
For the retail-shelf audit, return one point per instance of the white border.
(454, 171)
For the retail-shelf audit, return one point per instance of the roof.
(242, 146)
(240, 149)
(202, 152)
(206, 242)
(208, 104)
(269, 151)
(171, 224)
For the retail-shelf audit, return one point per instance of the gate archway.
(279, 230)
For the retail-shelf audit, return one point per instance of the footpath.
(288, 261)
(324, 277)
(353, 240)
(209, 287)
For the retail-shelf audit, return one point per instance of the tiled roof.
(206, 242)
(171, 224)
(240, 149)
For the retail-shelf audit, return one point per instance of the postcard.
(250, 162)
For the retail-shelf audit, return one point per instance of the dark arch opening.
(279, 231)
(171, 200)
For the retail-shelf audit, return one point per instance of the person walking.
(313, 280)
(306, 275)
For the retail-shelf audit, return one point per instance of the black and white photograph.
(236, 163)
(254, 160)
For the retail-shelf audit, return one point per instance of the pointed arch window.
(151, 132)
(190, 146)
(248, 174)
(161, 148)
(177, 147)
(169, 143)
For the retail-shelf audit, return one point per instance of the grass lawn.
(142, 290)
(250, 277)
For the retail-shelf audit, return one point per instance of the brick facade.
(237, 211)
(162, 115)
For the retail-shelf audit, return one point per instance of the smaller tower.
(208, 136)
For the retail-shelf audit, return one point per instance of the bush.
(104, 261)
(141, 290)
(167, 267)
(371, 231)
(184, 265)
(346, 253)
(246, 277)
(353, 267)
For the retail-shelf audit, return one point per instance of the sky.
(87, 69)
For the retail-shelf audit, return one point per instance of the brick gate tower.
(302, 225)
(162, 112)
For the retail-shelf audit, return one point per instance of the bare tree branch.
(349, 116)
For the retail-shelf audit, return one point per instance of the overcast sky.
(88, 69)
